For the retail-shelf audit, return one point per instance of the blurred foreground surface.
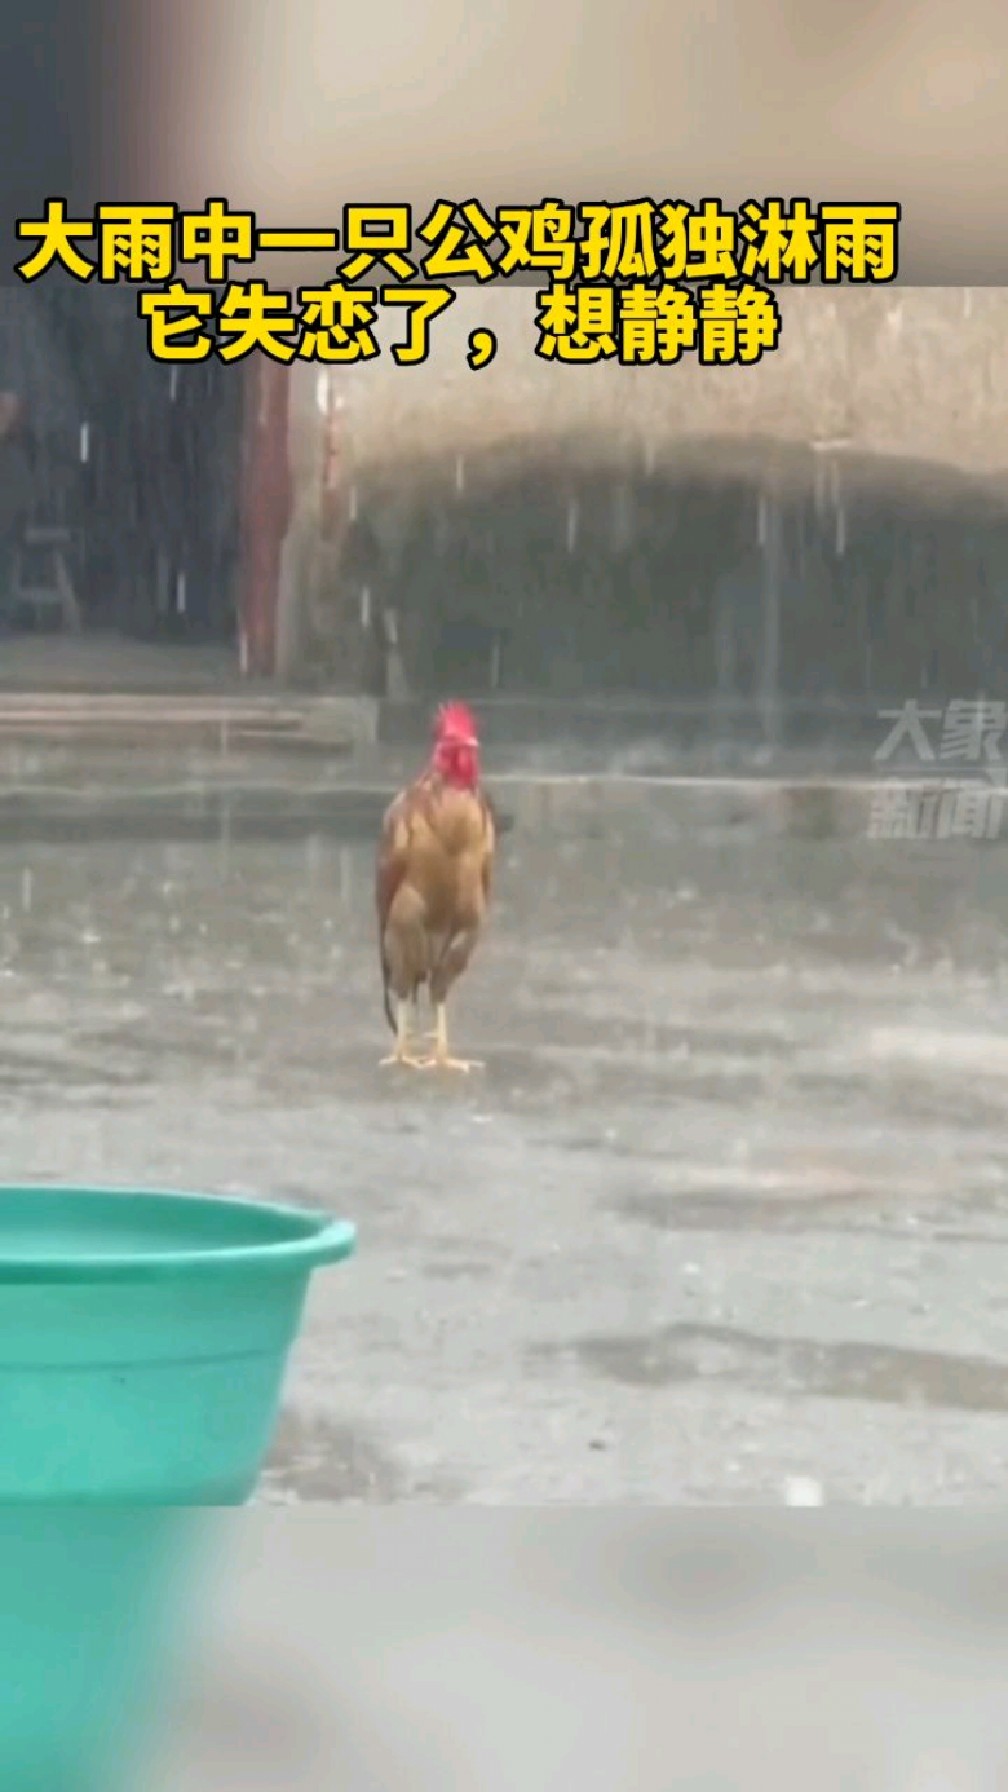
(729, 1205)
(444, 1651)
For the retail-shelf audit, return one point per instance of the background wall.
(830, 523)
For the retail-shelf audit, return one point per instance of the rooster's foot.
(441, 1062)
(405, 1059)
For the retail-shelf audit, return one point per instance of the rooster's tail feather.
(386, 992)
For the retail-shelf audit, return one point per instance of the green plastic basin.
(143, 1342)
(144, 1338)
(102, 1605)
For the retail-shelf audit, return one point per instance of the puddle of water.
(318, 1460)
(883, 1374)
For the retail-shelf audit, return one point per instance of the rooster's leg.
(441, 1059)
(402, 1054)
(416, 1019)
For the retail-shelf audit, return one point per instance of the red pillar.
(265, 509)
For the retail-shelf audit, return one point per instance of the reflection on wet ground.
(730, 1203)
(843, 1371)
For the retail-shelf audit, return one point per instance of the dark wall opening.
(138, 462)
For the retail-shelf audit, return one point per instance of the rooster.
(432, 888)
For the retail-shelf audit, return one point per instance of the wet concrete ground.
(729, 1205)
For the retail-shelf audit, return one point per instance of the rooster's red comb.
(457, 720)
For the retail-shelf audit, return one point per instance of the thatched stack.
(912, 373)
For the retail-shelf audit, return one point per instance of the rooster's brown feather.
(432, 886)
